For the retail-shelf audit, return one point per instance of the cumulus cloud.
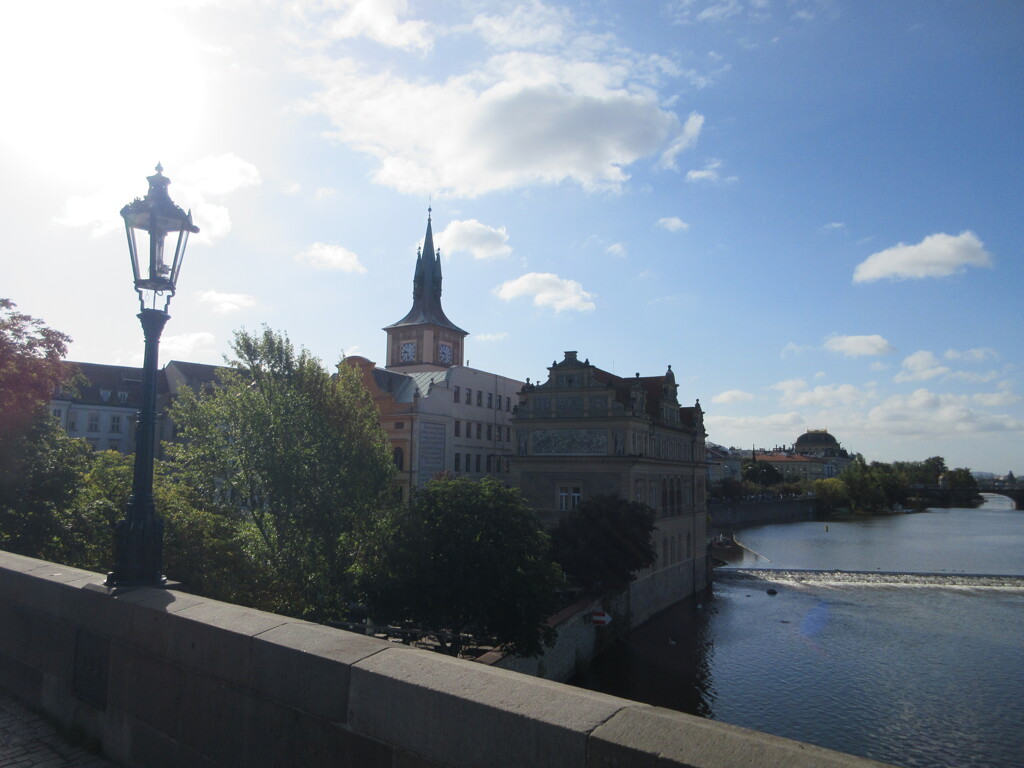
(330, 257)
(471, 236)
(732, 396)
(323, 193)
(937, 255)
(191, 188)
(528, 25)
(796, 394)
(858, 346)
(929, 414)
(486, 337)
(616, 249)
(547, 290)
(833, 226)
(187, 346)
(379, 20)
(673, 224)
(226, 303)
(592, 113)
(995, 399)
(920, 366)
(792, 348)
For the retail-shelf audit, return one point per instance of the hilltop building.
(586, 432)
(439, 415)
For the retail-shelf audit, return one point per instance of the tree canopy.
(294, 451)
(605, 541)
(464, 558)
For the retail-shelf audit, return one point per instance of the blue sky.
(809, 208)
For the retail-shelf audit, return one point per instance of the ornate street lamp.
(138, 539)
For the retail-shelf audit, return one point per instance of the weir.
(163, 678)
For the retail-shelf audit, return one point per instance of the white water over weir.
(869, 578)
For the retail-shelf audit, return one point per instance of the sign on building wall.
(430, 450)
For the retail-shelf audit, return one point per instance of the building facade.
(586, 432)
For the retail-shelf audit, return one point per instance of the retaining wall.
(163, 678)
(729, 516)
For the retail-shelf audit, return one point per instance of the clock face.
(408, 353)
(444, 353)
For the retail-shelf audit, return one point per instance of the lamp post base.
(138, 554)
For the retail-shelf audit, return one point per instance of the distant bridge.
(1017, 494)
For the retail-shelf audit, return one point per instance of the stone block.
(216, 638)
(150, 619)
(38, 588)
(90, 605)
(457, 713)
(306, 666)
(215, 719)
(651, 737)
(147, 687)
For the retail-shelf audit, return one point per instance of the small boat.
(723, 543)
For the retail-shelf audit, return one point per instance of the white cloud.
(976, 355)
(226, 303)
(732, 396)
(920, 366)
(480, 240)
(592, 113)
(379, 21)
(995, 399)
(858, 346)
(796, 394)
(187, 346)
(929, 414)
(324, 192)
(548, 290)
(292, 189)
(616, 249)
(486, 337)
(937, 255)
(529, 25)
(792, 348)
(213, 175)
(332, 257)
(673, 224)
(833, 226)
(686, 139)
(710, 173)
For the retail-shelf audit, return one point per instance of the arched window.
(399, 459)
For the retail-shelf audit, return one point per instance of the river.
(899, 638)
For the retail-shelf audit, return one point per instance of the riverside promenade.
(28, 740)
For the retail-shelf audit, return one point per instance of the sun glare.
(92, 88)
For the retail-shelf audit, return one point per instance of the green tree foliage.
(864, 488)
(605, 541)
(296, 453)
(760, 473)
(464, 559)
(832, 493)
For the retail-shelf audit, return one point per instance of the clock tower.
(425, 339)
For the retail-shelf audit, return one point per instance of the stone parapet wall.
(729, 516)
(163, 678)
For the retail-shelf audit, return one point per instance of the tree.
(605, 541)
(295, 452)
(465, 558)
(831, 493)
(866, 494)
(761, 472)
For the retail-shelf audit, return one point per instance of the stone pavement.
(29, 741)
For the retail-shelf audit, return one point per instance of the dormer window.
(105, 395)
(122, 398)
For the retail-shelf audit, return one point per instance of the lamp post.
(138, 539)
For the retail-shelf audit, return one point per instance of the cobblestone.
(27, 740)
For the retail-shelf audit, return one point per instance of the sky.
(810, 209)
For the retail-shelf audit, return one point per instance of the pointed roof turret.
(426, 288)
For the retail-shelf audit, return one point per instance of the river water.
(897, 638)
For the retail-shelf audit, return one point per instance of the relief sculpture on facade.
(570, 442)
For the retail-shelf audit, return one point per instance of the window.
(490, 457)
(508, 403)
(478, 462)
(122, 398)
(467, 463)
(105, 395)
(399, 456)
(490, 400)
(568, 498)
(456, 398)
(497, 437)
(490, 433)
(508, 435)
(399, 425)
(479, 428)
(115, 422)
(479, 397)
(458, 459)
(58, 413)
(94, 422)
(497, 403)
(72, 421)
(469, 396)
(458, 429)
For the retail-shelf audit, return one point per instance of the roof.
(426, 290)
